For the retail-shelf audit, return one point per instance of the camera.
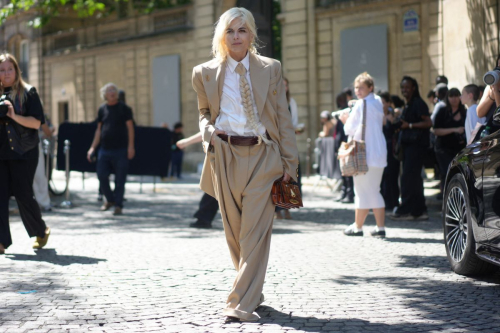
(492, 77)
(4, 108)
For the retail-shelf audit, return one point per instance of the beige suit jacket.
(270, 99)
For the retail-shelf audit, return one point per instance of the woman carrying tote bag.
(367, 185)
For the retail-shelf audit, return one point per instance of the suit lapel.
(213, 77)
(260, 78)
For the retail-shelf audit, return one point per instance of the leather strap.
(241, 140)
(364, 121)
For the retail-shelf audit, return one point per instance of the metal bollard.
(308, 158)
(67, 203)
(46, 152)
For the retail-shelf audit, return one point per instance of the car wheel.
(458, 233)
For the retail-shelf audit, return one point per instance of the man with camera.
(490, 100)
(21, 114)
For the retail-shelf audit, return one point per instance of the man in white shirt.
(470, 96)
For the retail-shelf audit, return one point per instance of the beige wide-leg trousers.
(243, 177)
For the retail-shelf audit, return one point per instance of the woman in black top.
(450, 131)
(19, 152)
(414, 139)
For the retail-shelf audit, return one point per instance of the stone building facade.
(71, 59)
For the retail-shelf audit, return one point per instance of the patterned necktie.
(246, 99)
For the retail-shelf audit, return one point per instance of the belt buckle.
(259, 140)
(229, 139)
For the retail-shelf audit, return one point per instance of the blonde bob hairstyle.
(219, 48)
(366, 79)
(18, 87)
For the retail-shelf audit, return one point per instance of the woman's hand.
(216, 133)
(286, 177)
(404, 124)
(459, 130)
(90, 153)
(10, 113)
(130, 153)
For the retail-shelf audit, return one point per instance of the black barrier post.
(308, 158)
(46, 145)
(67, 203)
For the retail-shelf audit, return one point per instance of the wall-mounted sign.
(410, 21)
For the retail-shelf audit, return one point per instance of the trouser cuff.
(241, 315)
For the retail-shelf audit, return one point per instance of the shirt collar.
(231, 63)
(370, 96)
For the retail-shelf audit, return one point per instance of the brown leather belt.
(241, 140)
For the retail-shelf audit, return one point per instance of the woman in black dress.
(414, 139)
(20, 117)
(449, 128)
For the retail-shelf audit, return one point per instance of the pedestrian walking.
(367, 186)
(414, 141)
(208, 206)
(177, 153)
(115, 135)
(19, 152)
(249, 140)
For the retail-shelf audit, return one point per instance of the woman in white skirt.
(367, 186)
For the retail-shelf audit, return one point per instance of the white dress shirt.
(232, 118)
(295, 113)
(471, 120)
(376, 147)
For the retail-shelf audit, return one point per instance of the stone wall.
(471, 42)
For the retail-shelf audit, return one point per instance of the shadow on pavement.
(51, 256)
(269, 315)
(431, 297)
(414, 240)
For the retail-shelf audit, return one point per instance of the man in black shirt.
(115, 134)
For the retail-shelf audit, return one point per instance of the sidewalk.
(147, 271)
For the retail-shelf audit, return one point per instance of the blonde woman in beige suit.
(249, 142)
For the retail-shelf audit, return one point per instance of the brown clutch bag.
(286, 195)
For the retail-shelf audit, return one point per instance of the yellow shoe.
(41, 242)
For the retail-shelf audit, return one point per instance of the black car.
(471, 208)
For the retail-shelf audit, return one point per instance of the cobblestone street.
(147, 271)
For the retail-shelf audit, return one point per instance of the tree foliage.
(45, 10)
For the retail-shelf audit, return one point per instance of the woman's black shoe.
(200, 225)
(378, 233)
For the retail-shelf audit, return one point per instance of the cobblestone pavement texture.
(147, 271)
